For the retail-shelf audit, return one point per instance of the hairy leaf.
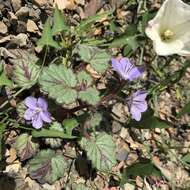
(59, 82)
(4, 81)
(100, 150)
(59, 24)
(84, 78)
(26, 71)
(47, 39)
(47, 166)
(90, 95)
(25, 147)
(98, 58)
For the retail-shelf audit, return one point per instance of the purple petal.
(45, 116)
(116, 65)
(42, 103)
(28, 114)
(141, 106)
(135, 73)
(37, 121)
(136, 114)
(31, 102)
(140, 95)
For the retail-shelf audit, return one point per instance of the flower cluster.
(128, 71)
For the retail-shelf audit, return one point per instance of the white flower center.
(37, 110)
(167, 35)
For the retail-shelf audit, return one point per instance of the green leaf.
(131, 41)
(59, 24)
(69, 125)
(85, 25)
(97, 58)
(84, 78)
(146, 17)
(47, 166)
(55, 142)
(149, 121)
(47, 39)
(90, 95)
(142, 169)
(59, 82)
(95, 119)
(2, 130)
(25, 69)
(4, 81)
(100, 150)
(51, 134)
(185, 110)
(25, 147)
(186, 158)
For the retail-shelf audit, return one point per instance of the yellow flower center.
(167, 35)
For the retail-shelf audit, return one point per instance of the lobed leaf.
(59, 82)
(47, 166)
(97, 57)
(25, 147)
(25, 69)
(84, 78)
(90, 95)
(100, 149)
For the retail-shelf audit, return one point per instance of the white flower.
(170, 29)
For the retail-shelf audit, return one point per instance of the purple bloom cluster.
(128, 71)
(37, 111)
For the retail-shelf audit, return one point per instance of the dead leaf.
(65, 4)
(92, 7)
(92, 72)
(12, 156)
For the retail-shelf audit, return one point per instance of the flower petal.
(139, 95)
(37, 121)
(45, 116)
(42, 103)
(31, 102)
(141, 106)
(136, 114)
(28, 114)
(173, 15)
(135, 73)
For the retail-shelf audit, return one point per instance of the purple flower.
(137, 104)
(37, 111)
(126, 69)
